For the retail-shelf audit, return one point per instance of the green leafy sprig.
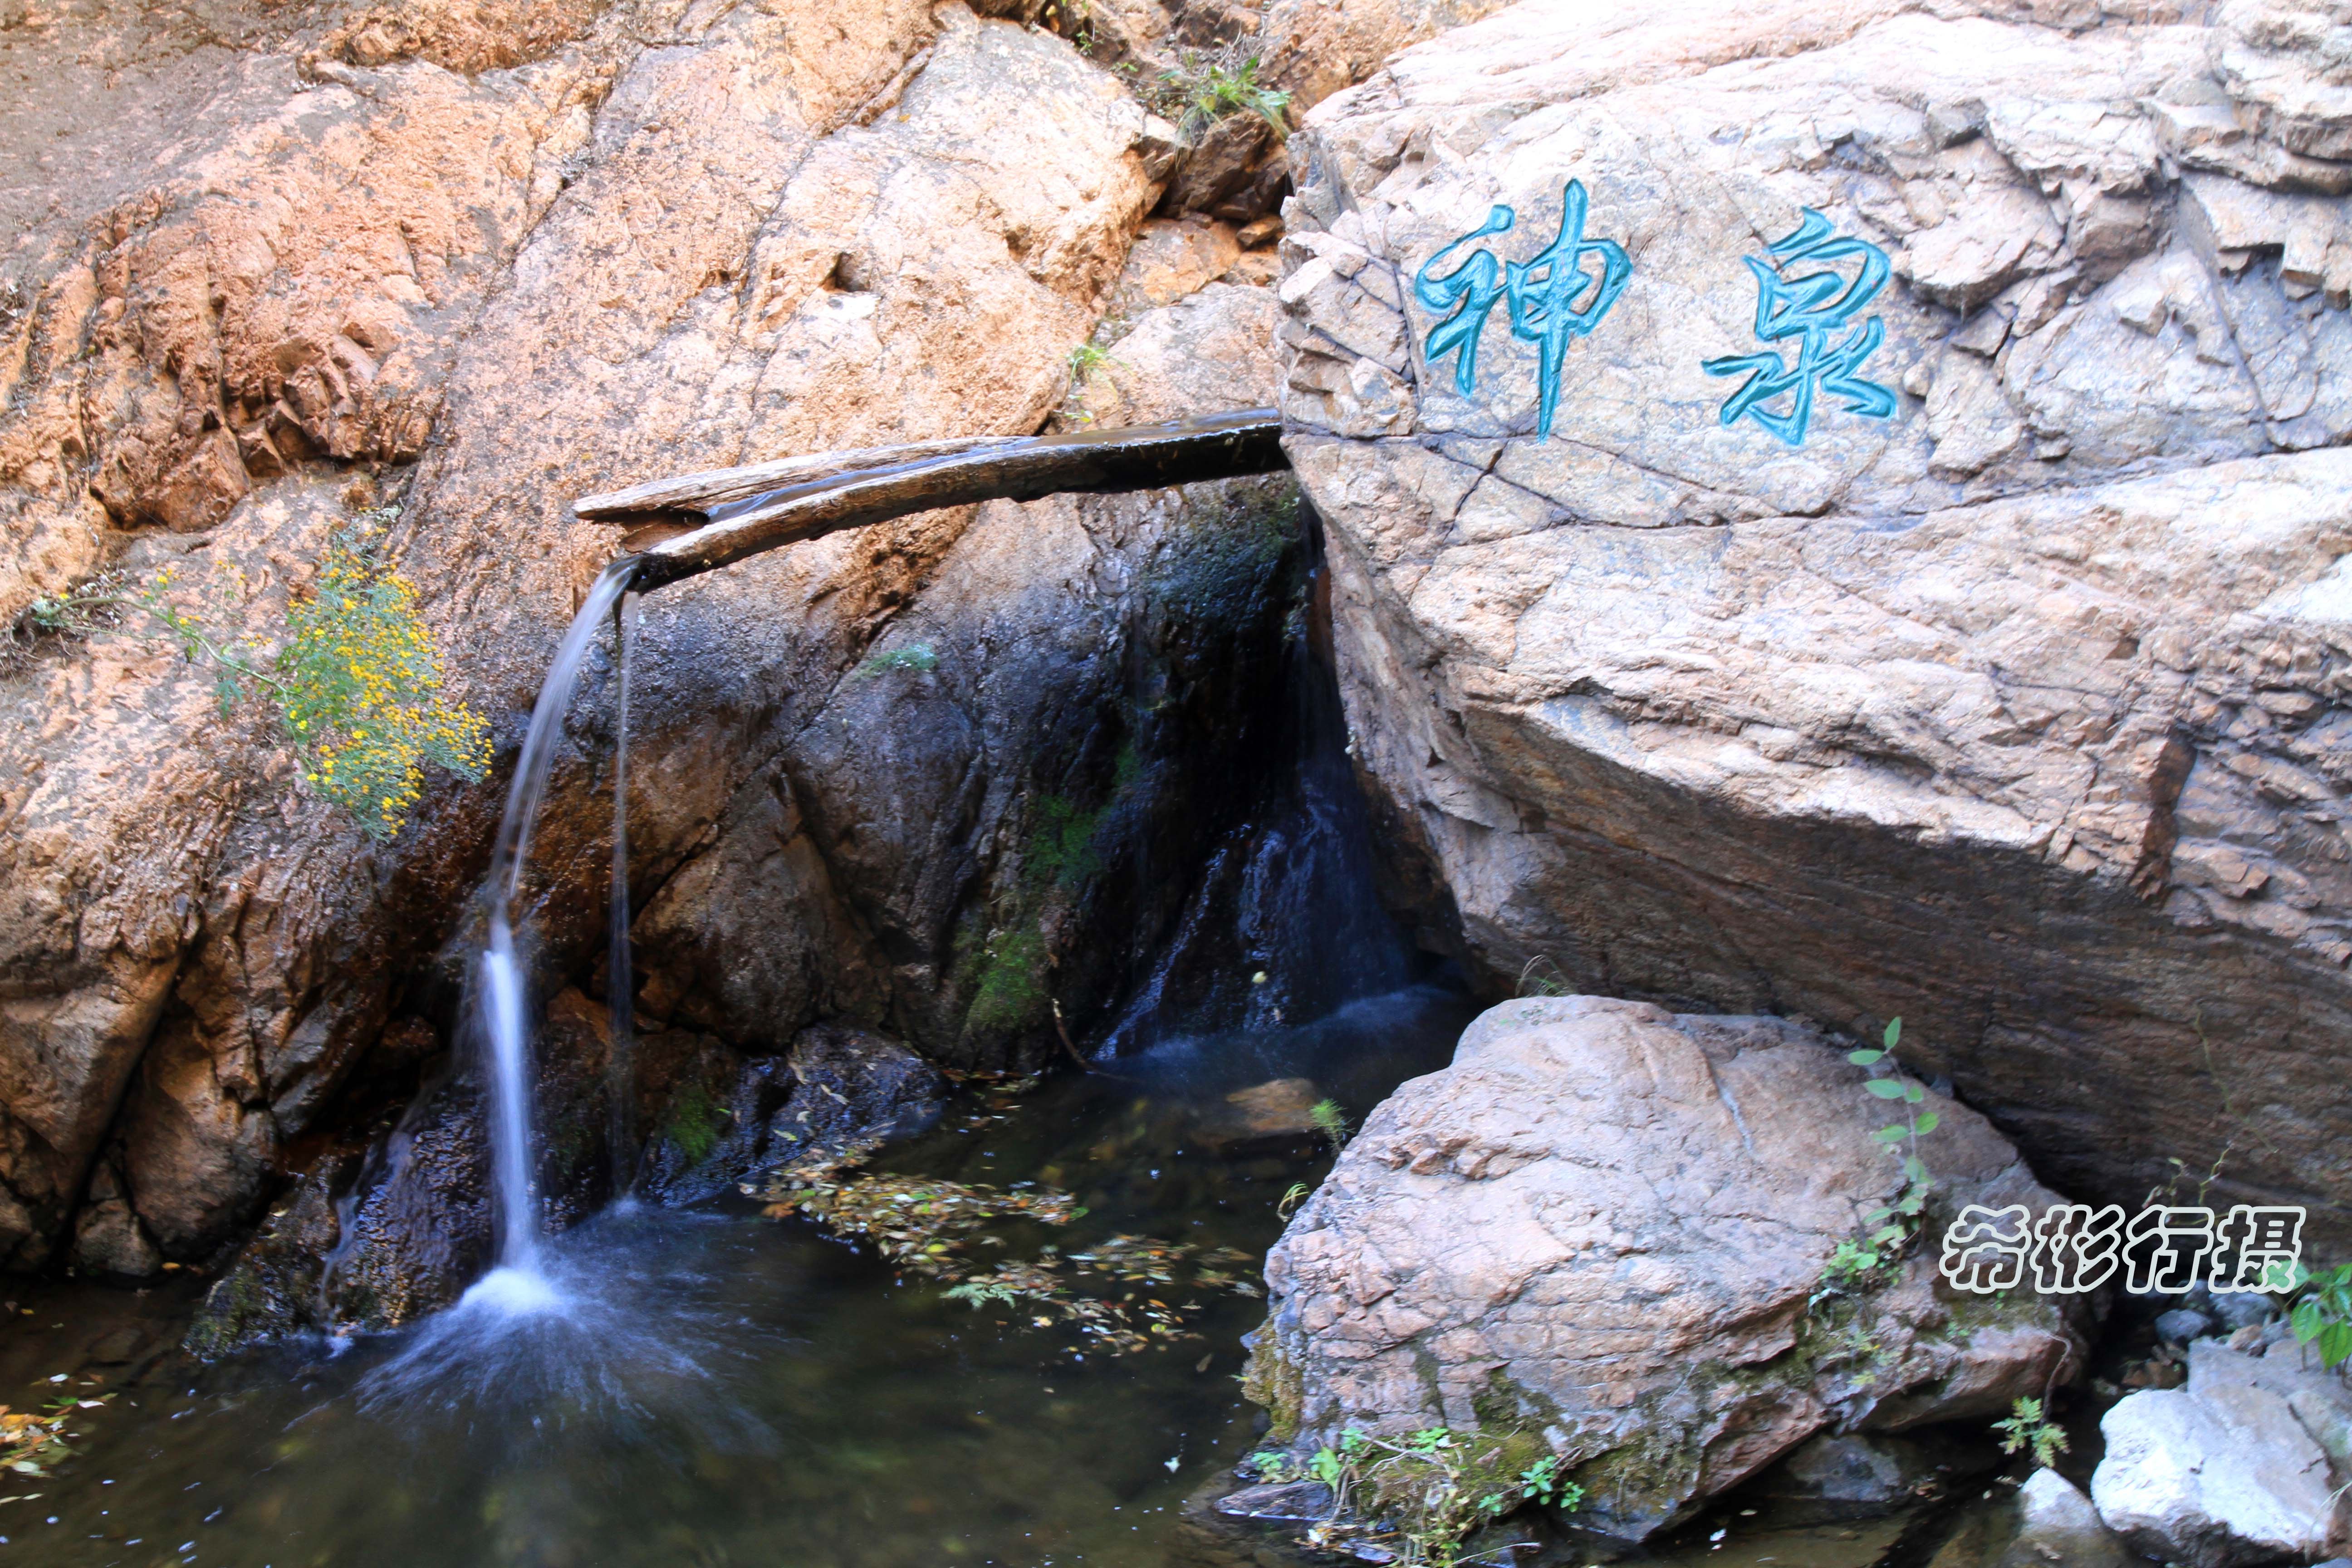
(1898, 1221)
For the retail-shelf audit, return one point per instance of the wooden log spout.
(768, 505)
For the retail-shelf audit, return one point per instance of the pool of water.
(718, 1387)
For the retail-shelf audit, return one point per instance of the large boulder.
(2247, 1464)
(1606, 1225)
(2007, 698)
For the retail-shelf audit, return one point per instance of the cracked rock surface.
(2017, 713)
(2247, 1464)
(1606, 1224)
(266, 269)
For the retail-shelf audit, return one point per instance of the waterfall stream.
(620, 1068)
(500, 1002)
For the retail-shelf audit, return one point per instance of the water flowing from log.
(745, 511)
(501, 1002)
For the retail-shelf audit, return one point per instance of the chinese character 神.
(2077, 1248)
(2157, 1257)
(1469, 292)
(1553, 299)
(1984, 1249)
(2268, 1243)
(1808, 309)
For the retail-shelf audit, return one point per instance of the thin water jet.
(502, 1008)
(620, 986)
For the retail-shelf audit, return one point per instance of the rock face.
(2017, 711)
(1607, 1224)
(280, 271)
(2244, 1465)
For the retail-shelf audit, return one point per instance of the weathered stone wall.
(2017, 713)
(266, 268)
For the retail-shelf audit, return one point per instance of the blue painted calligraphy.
(1553, 299)
(1469, 292)
(1810, 308)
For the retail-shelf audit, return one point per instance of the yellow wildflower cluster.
(358, 680)
(362, 693)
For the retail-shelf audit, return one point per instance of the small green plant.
(1299, 1194)
(1539, 976)
(694, 1122)
(978, 1293)
(1214, 91)
(1087, 359)
(1010, 995)
(1331, 1122)
(1898, 1221)
(1437, 1486)
(1852, 1265)
(916, 659)
(357, 681)
(2029, 1427)
(2322, 1312)
(1063, 848)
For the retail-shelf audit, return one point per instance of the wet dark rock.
(1866, 1475)
(727, 1116)
(1299, 1501)
(273, 1287)
(375, 1244)
(850, 1083)
(2182, 1324)
(2046, 1522)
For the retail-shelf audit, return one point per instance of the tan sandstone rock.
(2017, 713)
(1607, 1224)
(315, 267)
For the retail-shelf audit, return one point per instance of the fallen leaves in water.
(29, 1442)
(924, 1225)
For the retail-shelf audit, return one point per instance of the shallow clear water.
(714, 1387)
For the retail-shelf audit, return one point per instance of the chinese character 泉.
(1807, 309)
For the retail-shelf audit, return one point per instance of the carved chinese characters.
(1564, 292)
